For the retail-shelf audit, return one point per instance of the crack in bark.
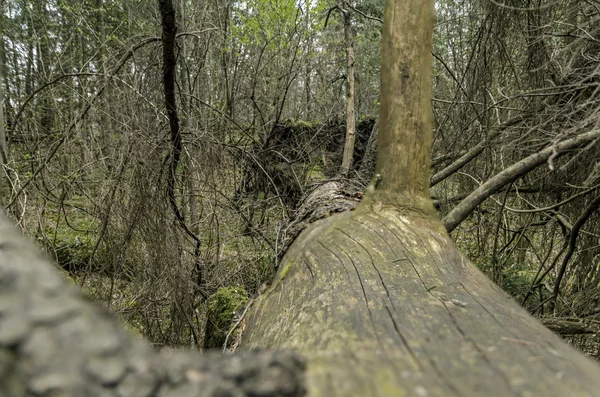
(387, 292)
(437, 267)
(403, 338)
(436, 263)
(362, 286)
(407, 257)
(394, 323)
(312, 274)
(340, 260)
(378, 234)
(485, 358)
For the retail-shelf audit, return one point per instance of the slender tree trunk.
(308, 71)
(350, 93)
(101, 59)
(199, 271)
(40, 25)
(29, 80)
(4, 183)
(225, 16)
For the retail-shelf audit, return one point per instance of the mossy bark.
(380, 301)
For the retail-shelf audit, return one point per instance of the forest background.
(268, 93)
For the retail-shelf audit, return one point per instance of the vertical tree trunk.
(308, 67)
(29, 79)
(225, 58)
(405, 117)
(41, 25)
(4, 185)
(101, 60)
(199, 270)
(350, 108)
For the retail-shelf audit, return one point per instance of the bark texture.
(54, 342)
(381, 303)
(379, 300)
(405, 116)
(568, 326)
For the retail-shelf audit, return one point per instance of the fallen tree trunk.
(382, 303)
(567, 326)
(379, 300)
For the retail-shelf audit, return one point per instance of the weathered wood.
(54, 342)
(383, 303)
(405, 115)
(325, 200)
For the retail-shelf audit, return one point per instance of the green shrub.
(221, 308)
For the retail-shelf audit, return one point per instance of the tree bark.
(568, 326)
(350, 93)
(379, 300)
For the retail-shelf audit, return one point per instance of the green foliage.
(73, 253)
(263, 271)
(315, 172)
(268, 22)
(221, 308)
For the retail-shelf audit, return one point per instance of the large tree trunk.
(380, 301)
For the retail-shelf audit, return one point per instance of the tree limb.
(573, 242)
(511, 174)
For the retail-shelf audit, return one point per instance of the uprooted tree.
(377, 301)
